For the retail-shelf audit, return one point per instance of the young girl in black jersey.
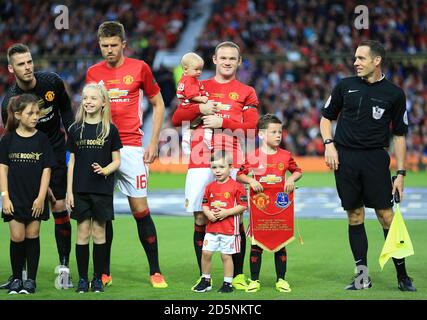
(26, 158)
(94, 145)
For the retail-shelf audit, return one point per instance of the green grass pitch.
(309, 179)
(319, 269)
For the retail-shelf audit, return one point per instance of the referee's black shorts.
(98, 207)
(363, 178)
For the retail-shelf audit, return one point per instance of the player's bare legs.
(148, 237)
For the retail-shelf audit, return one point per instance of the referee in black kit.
(366, 107)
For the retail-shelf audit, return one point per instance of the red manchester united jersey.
(188, 88)
(270, 169)
(224, 195)
(234, 98)
(126, 85)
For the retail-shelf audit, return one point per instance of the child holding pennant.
(271, 200)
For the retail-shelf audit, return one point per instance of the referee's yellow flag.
(398, 243)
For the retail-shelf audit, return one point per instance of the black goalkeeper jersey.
(367, 113)
(54, 103)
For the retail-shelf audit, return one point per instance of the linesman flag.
(398, 243)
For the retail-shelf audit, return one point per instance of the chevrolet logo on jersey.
(46, 111)
(270, 179)
(117, 93)
(223, 106)
(218, 204)
(40, 103)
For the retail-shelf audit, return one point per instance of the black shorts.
(363, 178)
(25, 218)
(98, 207)
(58, 178)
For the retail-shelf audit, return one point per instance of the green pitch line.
(319, 269)
(312, 180)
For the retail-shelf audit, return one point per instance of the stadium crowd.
(151, 25)
(294, 51)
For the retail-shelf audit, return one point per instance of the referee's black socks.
(358, 243)
(148, 237)
(63, 236)
(398, 263)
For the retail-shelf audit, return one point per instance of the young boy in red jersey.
(223, 202)
(269, 164)
(191, 90)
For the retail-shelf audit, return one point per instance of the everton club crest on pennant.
(282, 200)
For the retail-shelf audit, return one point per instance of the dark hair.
(222, 154)
(18, 104)
(16, 48)
(377, 49)
(266, 119)
(227, 44)
(111, 29)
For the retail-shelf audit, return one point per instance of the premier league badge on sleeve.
(282, 200)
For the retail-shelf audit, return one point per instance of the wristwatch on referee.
(327, 141)
(401, 172)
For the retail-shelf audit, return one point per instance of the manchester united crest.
(227, 195)
(261, 200)
(128, 79)
(233, 95)
(281, 166)
(49, 96)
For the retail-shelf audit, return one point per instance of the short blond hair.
(190, 58)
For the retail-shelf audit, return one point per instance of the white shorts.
(195, 183)
(224, 243)
(132, 176)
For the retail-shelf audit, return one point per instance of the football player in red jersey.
(232, 105)
(126, 80)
